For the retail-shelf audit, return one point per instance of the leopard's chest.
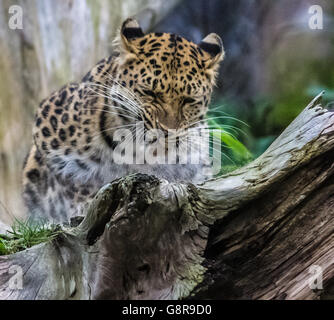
(78, 178)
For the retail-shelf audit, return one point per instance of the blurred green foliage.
(293, 79)
(296, 77)
(243, 131)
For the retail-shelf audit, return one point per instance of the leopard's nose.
(170, 122)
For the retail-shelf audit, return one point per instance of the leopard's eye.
(150, 93)
(188, 101)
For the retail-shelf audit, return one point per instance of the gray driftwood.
(270, 223)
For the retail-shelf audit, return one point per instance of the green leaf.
(240, 152)
(3, 250)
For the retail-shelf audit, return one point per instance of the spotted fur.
(73, 133)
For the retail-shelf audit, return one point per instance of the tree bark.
(256, 233)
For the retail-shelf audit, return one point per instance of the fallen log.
(265, 231)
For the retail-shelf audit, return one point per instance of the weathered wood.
(106, 257)
(266, 248)
(144, 238)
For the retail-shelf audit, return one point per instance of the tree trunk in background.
(60, 41)
(271, 228)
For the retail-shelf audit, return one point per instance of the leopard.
(159, 80)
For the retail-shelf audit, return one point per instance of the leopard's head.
(172, 77)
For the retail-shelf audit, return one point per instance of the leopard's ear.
(130, 31)
(212, 44)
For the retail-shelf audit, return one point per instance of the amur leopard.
(160, 80)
